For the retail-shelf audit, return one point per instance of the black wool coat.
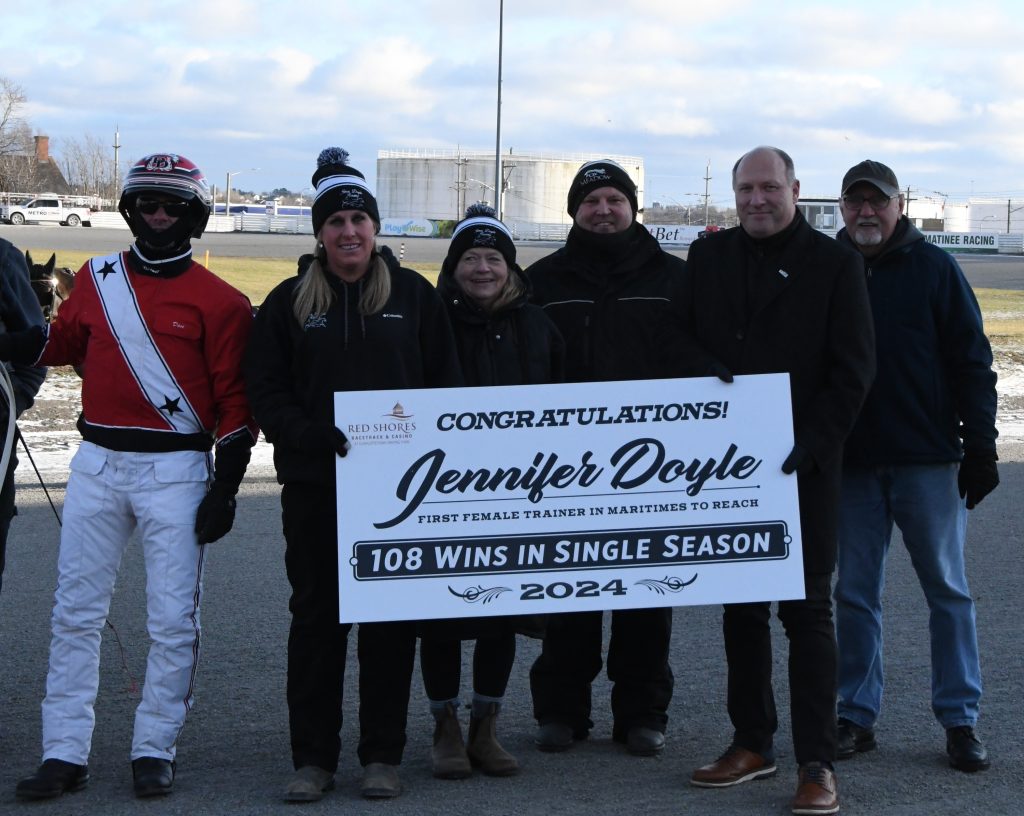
(798, 304)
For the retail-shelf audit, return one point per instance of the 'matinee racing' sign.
(515, 500)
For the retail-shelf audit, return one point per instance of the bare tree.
(88, 166)
(12, 99)
(19, 172)
(16, 174)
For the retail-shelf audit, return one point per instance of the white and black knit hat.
(600, 173)
(340, 187)
(481, 228)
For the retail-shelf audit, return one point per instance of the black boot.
(152, 776)
(54, 777)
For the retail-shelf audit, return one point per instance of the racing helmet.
(170, 174)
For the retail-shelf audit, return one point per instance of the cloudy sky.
(935, 89)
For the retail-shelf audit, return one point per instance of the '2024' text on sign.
(516, 500)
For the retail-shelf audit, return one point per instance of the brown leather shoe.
(816, 791)
(735, 766)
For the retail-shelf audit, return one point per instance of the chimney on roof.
(42, 148)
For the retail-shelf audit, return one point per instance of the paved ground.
(995, 271)
(234, 755)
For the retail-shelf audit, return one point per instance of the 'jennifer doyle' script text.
(635, 464)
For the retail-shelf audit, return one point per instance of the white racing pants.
(109, 494)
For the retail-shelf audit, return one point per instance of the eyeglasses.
(876, 202)
(175, 209)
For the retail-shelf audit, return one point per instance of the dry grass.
(253, 276)
(1003, 308)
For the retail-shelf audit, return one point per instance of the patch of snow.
(49, 427)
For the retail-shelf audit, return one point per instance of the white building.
(986, 215)
(927, 213)
(440, 184)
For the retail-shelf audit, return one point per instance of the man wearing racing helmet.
(160, 340)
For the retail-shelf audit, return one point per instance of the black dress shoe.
(153, 776)
(853, 739)
(964, 749)
(554, 737)
(54, 777)
(642, 741)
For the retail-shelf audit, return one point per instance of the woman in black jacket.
(502, 340)
(335, 328)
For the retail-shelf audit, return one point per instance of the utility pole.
(117, 147)
(506, 174)
(707, 180)
(906, 207)
(460, 187)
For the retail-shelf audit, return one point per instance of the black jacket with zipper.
(515, 345)
(292, 371)
(616, 301)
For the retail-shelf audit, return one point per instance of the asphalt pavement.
(983, 271)
(234, 754)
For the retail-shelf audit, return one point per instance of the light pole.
(483, 186)
(227, 189)
(707, 197)
(497, 147)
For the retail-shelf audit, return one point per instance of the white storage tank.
(440, 184)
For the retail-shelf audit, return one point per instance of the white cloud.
(269, 84)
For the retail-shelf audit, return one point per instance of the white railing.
(1011, 243)
(529, 231)
(107, 220)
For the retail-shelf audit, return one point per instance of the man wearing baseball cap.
(922, 453)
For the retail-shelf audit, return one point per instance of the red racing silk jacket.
(160, 356)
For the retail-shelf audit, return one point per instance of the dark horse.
(51, 285)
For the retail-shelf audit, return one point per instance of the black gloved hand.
(320, 436)
(799, 460)
(978, 477)
(716, 369)
(216, 513)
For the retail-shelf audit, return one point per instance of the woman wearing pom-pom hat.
(334, 328)
(502, 340)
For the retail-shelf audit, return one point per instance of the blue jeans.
(924, 502)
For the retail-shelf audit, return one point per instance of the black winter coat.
(809, 316)
(292, 371)
(616, 304)
(517, 345)
(935, 381)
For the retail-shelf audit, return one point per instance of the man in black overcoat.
(775, 295)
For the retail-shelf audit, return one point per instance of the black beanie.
(600, 173)
(340, 187)
(481, 228)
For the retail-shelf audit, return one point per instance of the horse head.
(51, 284)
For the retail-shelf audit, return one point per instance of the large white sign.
(515, 500)
(959, 242)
